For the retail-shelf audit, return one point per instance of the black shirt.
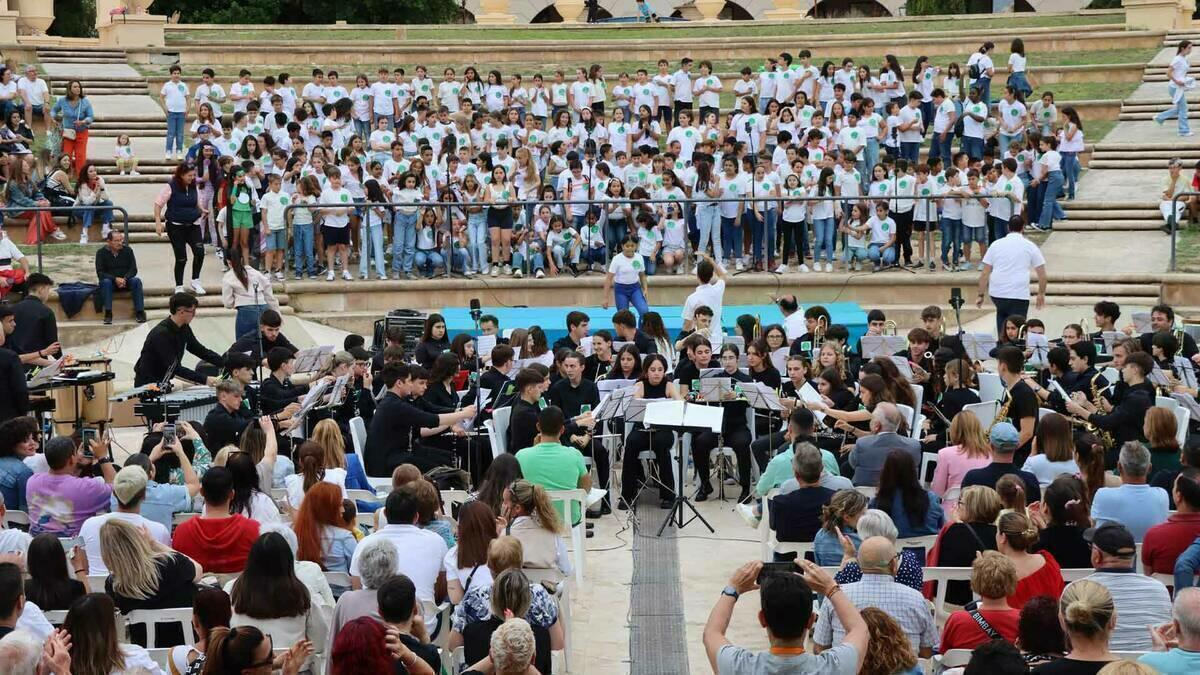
(477, 638)
(277, 395)
(176, 588)
(593, 368)
(1128, 415)
(570, 399)
(989, 475)
(565, 342)
(803, 346)
(248, 344)
(1066, 666)
(120, 266)
(427, 352)
(164, 347)
(427, 652)
(960, 542)
(768, 376)
(438, 399)
(796, 516)
(522, 425)
(390, 435)
(644, 343)
(685, 372)
(222, 427)
(1188, 349)
(1066, 544)
(1025, 403)
(36, 327)
(14, 393)
(954, 400)
(495, 382)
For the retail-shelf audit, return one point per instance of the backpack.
(974, 71)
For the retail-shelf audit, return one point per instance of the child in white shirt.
(881, 249)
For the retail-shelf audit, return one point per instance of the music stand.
(313, 359)
(682, 417)
(882, 345)
(978, 346)
(635, 413)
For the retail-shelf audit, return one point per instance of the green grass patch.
(1087, 91)
(1187, 250)
(1096, 130)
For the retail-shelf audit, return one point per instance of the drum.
(89, 401)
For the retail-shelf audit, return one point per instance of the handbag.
(68, 134)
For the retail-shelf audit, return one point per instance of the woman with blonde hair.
(312, 471)
(974, 531)
(1054, 449)
(970, 449)
(144, 574)
(329, 436)
(1037, 573)
(839, 518)
(531, 518)
(889, 651)
(1087, 611)
(993, 579)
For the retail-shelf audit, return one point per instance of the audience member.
(365, 646)
(1134, 504)
(876, 523)
(401, 613)
(1086, 610)
(12, 597)
(1140, 600)
(960, 543)
(551, 464)
(993, 579)
(998, 657)
(321, 532)
(419, 553)
(888, 650)
(116, 270)
(511, 652)
(1037, 573)
(211, 609)
(796, 516)
(145, 574)
(59, 501)
(246, 648)
(1062, 517)
(18, 440)
(839, 520)
(466, 562)
(129, 491)
(870, 452)
(510, 596)
(95, 646)
(50, 586)
(971, 450)
(1039, 632)
(378, 560)
(217, 539)
(1177, 642)
(532, 519)
(1004, 440)
(916, 511)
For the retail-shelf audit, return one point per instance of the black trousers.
(705, 442)
(632, 474)
(904, 230)
(682, 105)
(184, 236)
(599, 454)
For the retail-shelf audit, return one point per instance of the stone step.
(1114, 290)
(131, 127)
(1141, 116)
(1129, 164)
(79, 49)
(106, 91)
(1084, 213)
(1090, 300)
(113, 133)
(83, 59)
(1090, 225)
(1133, 153)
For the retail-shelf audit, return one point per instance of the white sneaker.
(746, 511)
(180, 289)
(329, 275)
(83, 238)
(678, 270)
(804, 268)
(346, 275)
(782, 269)
(517, 274)
(740, 266)
(197, 287)
(133, 173)
(121, 174)
(496, 271)
(539, 274)
(58, 234)
(828, 267)
(470, 274)
(857, 266)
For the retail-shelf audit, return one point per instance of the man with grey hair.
(1135, 504)
(870, 452)
(377, 562)
(1177, 644)
(20, 652)
(878, 588)
(1140, 600)
(35, 94)
(796, 516)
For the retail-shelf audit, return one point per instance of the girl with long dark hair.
(248, 291)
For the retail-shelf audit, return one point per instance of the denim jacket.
(13, 476)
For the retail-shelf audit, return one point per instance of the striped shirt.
(907, 606)
(1140, 601)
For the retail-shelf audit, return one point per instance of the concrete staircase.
(80, 55)
(1109, 216)
(97, 82)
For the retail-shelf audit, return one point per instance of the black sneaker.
(666, 503)
(141, 317)
(108, 318)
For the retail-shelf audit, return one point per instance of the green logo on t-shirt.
(1014, 112)
(283, 200)
(637, 264)
(1046, 114)
(366, 97)
(566, 235)
(885, 227)
(182, 88)
(924, 192)
(903, 183)
(854, 135)
(688, 133)
(344, 197)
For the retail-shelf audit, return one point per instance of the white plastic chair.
(96, 582)
(452, 497)
(1070, 574)
(867, 491)
(15, 518)
(954, 658)
(500, 419)
(338, 579)
(1042, 412)
(944, 575)
(985, 411)
(764, 527)
(578, 531)
(924, 543)
(358, 435)
(162, 657)
(150, 617)
(55, 617)
(914, 432)
(1183, 418)
(364, 495)
(1166, 402)
(990, 387)
(928, 460)
(906, 412)
(918, 396)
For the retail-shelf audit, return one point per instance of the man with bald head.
(879, 561)
(1177, 644)
(870, 452)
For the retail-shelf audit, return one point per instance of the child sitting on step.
(123, 154)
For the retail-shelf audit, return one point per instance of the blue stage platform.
(553, 319)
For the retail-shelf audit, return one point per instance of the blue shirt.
(162, 503)
(1137, 507)
(934, 517)
(339, 546)
(827, 548)
(71, 112)
(1175, 662)
(13, 476)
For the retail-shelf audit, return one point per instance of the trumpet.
(1084, 324)
(889, 325)
(819, 331)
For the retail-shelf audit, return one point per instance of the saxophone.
(1002, 413)
(1106, 438)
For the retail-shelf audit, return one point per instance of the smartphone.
(168, 434)
(777, 569)
(86, 436)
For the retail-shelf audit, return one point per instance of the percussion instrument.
(190, 405)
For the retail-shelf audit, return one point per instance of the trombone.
(889, 325)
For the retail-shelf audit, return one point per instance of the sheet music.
(762, 397)
(810, 395)
(1141, 322)
(882, 345)
(313, 359)
(713, 389)
(712, 372)
(310, 401)
(779, 359)
(1055, 386)
(516, 353)
(484, 344)
(339, 390)
(1158, 378)
(1110, 337)
(903, 366)
(978, 345)
(1185, 371)
(585, 347)
(1040, 346)
(48, 373)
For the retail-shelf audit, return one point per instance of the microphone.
(476, 310)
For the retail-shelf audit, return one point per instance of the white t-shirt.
(881, 230)
(682, 83)
(909, 114)
(420, 555)
(711, 295)
(480, 577)
(295, 485)
(240, 89)
(36, 90)
(971, 127)
(710, 99)
(941, 118)
(205, 93)
(275, 204)
(8, 254)
(626, 270)
(89, 533)
(331, 196)
(175, 95)
(1016, 63)
(1011, 259)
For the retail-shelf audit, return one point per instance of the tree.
(309, 11)
(74, 18)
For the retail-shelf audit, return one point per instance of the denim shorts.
(976, 234)
(277, 240)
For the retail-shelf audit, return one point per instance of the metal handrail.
(1173, 221)
(5, 210)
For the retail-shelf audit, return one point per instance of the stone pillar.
(569, 10)
(785, 10)
(709, 9)
(34, 16)
(1158, 14)
(8, 26)
(496, 12)
(134, 28)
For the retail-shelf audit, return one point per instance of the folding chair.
(578, 531)
(151, 617)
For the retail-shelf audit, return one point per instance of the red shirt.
(219, 544)
(1164, 542)
(961, 631)
(1046, 581)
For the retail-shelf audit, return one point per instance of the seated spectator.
(91, 623)
(1037, 573)
(269, 597)
(310, 471)
(1053, 450)
(971, 450)
(511, 651)
(1165, 478)
(419, 553)
(401, 614)
(533, 520)
(974, 531)
(362, 647)
(377, 564)
(59, 501)
(22, 652)
(505, 553)
(249, 499)
(915, 510)
(1086, 610)
(50, 586)
(1039, 632)
(993, 579)
(503, 471)
(144, 574)
(839, 518)
(129, 491)
(167, 469)
(510, 596)
(551, 464)
(320, 531)
(211, 610)
(1140, 600)
(217, 539)
(117, 271)
(998, 657)
(796, 516)
(1062, 516)
(801, 427)
(12, 597)
(466, 562)
(1011, 490)
(1166, 541)
(18, 440)
(329, 435)
(888, 650)
(1181, 655)
(787, 608)
(870, 452)
(309, 573)
(878, 588)
(161, 501)
(429, 511)
(876, 523)
(261, 442)
(247, 649)
(1004, 441)
(12, 540)
(1134, 504)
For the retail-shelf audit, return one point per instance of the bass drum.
(90, 401)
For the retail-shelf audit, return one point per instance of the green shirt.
(779, 469)
(554, 466)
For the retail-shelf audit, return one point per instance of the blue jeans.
(824, 231)
(951, 240)
(1019, 82)
(651, 265)
(362, 128)
(106, 216)
(941, 149)
(1177, 111)
(1070, 169)
(428, 261)
(175, 122)
(853, 253)
(460, 260)
(563, 254)
(404, 241)
(1050, 207)
(910, 150)
(984, 84)
(477, 236)
(1185, 566)
(708, 221)
(593, 255)
(302, 249)
(877, 253)
(247, 318)
(134, 286)
(972, 146)
(370, 244)
(1006, 140)
(615, 232)
(871, 155)
(630, 294)
(731, 237)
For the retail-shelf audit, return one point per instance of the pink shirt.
(952, 465)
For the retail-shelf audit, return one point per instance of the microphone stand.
(259, 360)
(477, 376)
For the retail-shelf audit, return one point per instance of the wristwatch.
(105, 460)
(731, 592)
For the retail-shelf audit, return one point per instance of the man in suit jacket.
(796, 515)
(870, 452)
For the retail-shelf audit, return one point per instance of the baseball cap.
(1004, 436)
(130, 482)
(203, 129)
(1112, 538)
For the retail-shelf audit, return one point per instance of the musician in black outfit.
(530, 384)
(1128, 416)
(392, 337)
(495, 381)
(391, 438)
(1023, 408)
(601, 359)
(227, 420)
(814, 317)
(1162, 318)
(282, 388)
(763, 371)
(14, 393)
(699, 354)
(764, 446)
(435, 393)
(627, 331)
(577, 332)
(165, 345)
(735, 431)
(37, 328)
(1164, 349)
(571, 393)
(433, 341)
(653, 384)
(268, 335)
